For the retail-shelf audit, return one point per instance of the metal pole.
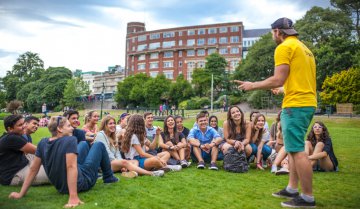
(212, 91)
(102, 100)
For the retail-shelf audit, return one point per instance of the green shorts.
(294, 123)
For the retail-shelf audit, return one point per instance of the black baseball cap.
(286, 25)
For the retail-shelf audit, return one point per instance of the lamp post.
(102, 99)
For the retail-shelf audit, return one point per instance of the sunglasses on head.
(59, 118)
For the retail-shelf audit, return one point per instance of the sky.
(90, 34)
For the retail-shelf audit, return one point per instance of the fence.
(157, 114)
(345, 108)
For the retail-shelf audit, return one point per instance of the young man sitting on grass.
(31, 126)
(204, 141)
(59, 156)
(16, 154)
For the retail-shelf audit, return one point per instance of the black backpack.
(235, 161)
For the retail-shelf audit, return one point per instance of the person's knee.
(319, 145)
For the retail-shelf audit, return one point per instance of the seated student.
(259, 136)
(213, 122)
(133, 146)
(182, 129)
(153, 141)
(173, 142)
(281, 157)
(31, 126)
(207, 114)
(122, 122)
(91, 121)
(107, 136)
(252, 117)
(16, 154)
(273, 131)
(237, 131)
(319, 147)
(73, 117)
(59, 154)
(204, 141)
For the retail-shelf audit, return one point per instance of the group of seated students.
(70, 159)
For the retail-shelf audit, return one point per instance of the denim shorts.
(141, 161)
(295, 122)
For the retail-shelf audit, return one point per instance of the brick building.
(175, 51)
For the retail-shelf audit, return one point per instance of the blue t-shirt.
(28, 138)
(79, 134)
(53, 158)
(204, 138)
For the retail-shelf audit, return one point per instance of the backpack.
(235, 161)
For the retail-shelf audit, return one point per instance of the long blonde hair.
(103, 127)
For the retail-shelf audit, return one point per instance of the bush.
(233, 100)
(3, 115)
(255, 99)
(357, 109)
(194, 103)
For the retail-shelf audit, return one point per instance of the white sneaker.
(158, 173)
(282, 171)
(174, 167)
(273, 169)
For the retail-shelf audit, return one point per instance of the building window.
(191, 32)
(211, 50)
(234, 39)
(191, 42)
(223, 40)
(169, 74)
(141, 66)
(142, 38)
(223, 29)
(168, 34)
(153, 74)
(190, 53)
(180, 33)
(234, 50)
(200, 41)
(234, 63)
(180, 53)
(244, 43)
(154, 36)
(201, 52)
(154, 55)
(223, 51)
(133, 39)
(141, 57)
(141, 47)
(180, 63)
(211, 41)
(189, 75)
(168, 44)
(154, 45)
(191, 65)
(201, 31)
(211, 30)
(201, 64)
(133, 48)
(234, 28)
(180, 42)
(168, 64)
(168, 54)
(154, 65)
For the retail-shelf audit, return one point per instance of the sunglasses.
(317, 127)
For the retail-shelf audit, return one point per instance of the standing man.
(31, 126)
(295, 70)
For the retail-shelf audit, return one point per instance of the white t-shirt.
(132, 151)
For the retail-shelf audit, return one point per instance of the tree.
(156, 90)
(131, 90)
(216, 66)
(352, 7)
(28, 68)
(180, 90)
(201, 80)
(259, 62)
(74, 89)
(2, 99)
(342, 87)
(319, 25)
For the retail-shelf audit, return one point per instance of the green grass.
(192, 188)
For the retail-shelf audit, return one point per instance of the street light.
(102, 99)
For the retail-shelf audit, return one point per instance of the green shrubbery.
(194, 103)
(3, 115)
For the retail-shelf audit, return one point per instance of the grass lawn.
(192, 188)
